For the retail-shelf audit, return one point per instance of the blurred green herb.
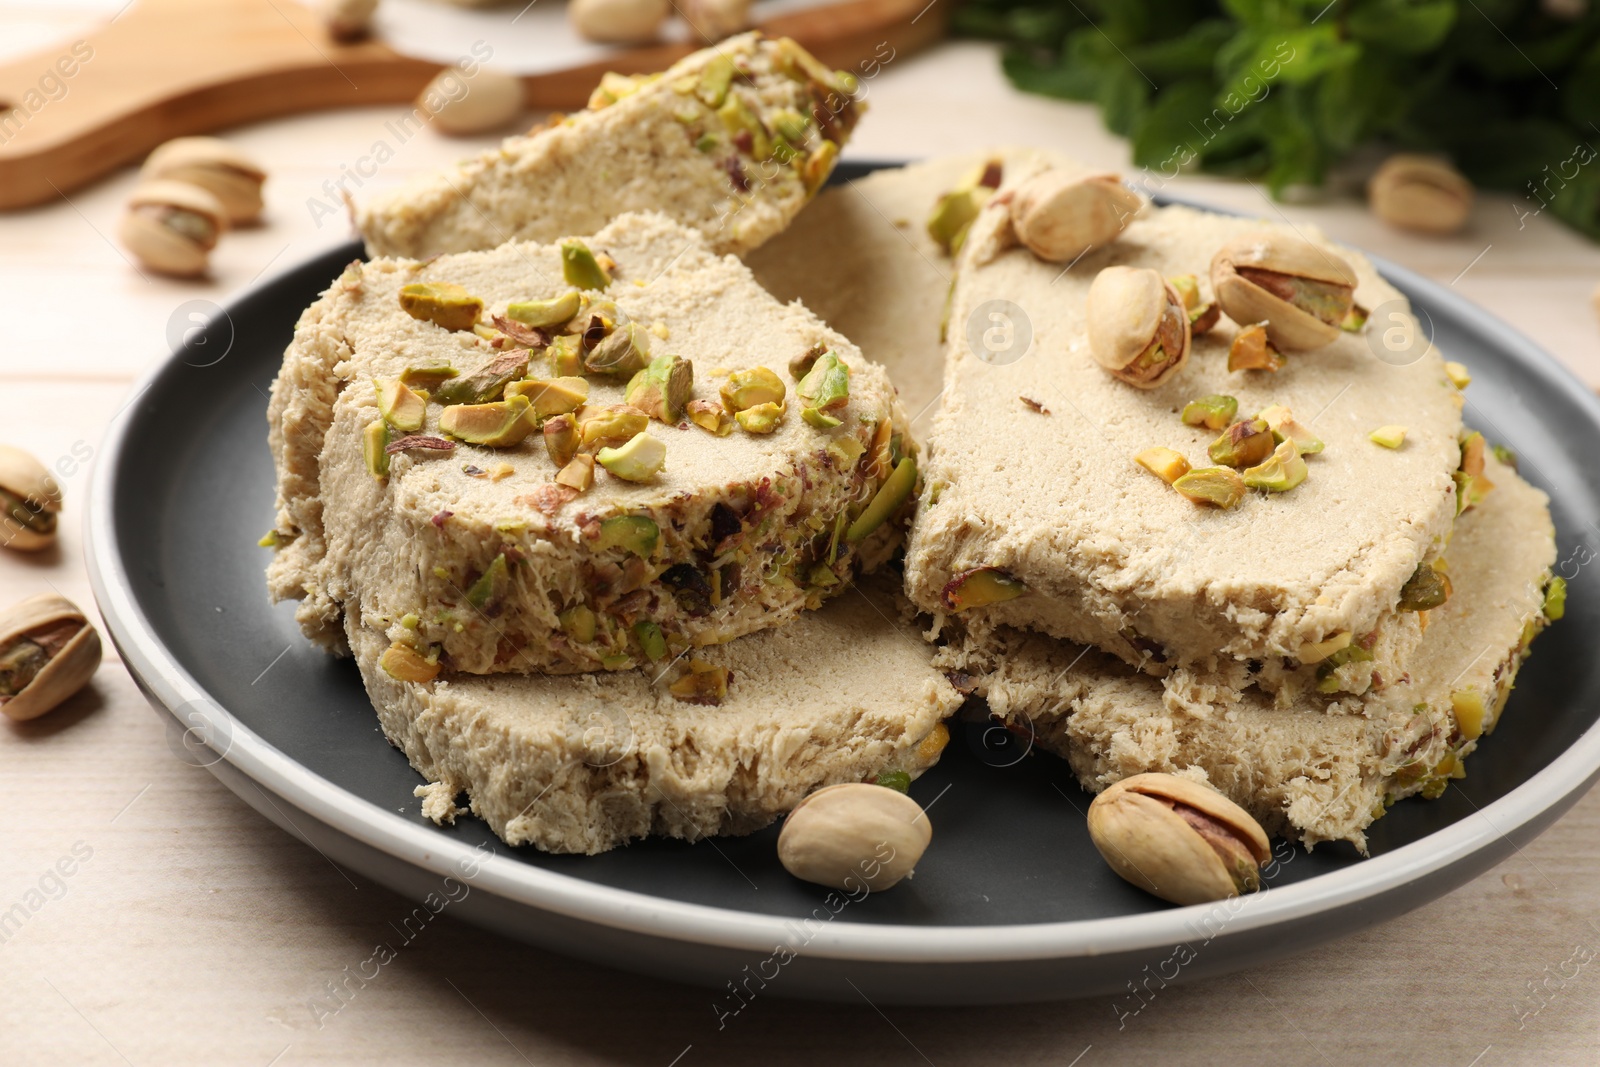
(1282, 89)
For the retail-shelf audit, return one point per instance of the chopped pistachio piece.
(790, 125)
(1188, 289)
(578, 623)
(825, 388)
(763, 418)
(953, 213)
(819, 418)
(1251, 350)
(1473, 451)
(561, 438)
(623, 351)
(556, 311)
(1471, 713)
(747, 388)
(429, 377)
(1281, 421)
(1244, 444)
(566, 356)
(638, 534)
(491, 584)
(1355, 319)
(1317, 651)
(651, 640)
(580, 267)
(899, 781)
(1214, 412)
(701, 683)
(1388, 436)
(818, 165)
(1504, 455)
(500, 424)
(610, 426)
(710, 416)
(847, 449)
(1280, 472)
(375, 448)
(663, 388)
(441, 303)
(1555, 598)
(399, 406)
(886, 502)
(1427, 588)
(551, 396)
(1458, 374)
(486, 384)
(578, 473)
(801, 365)
(1219, 487)
(269, 539)
(637, 461)
(980, 588)
(406, 664)
(715, 79)
(745, 128)
(1164, 463)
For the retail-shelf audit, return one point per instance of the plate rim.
(168, 684)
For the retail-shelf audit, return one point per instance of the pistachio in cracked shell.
(29, 501)
(1138, 328)
(171, 227)
(854, 835)
(48, 651)
(1059, 215)
(215, 166)
(1420, 193)
(1178, 839)
(1299, 291)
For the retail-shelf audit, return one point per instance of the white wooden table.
(193, 931)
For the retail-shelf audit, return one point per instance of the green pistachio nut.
(441, 303)
(400, 407)
(374, 448)
(428, 377)
(1214, 412)
(980, 588)
(556, 311)
(610, 426)
(491, 585)
(500, 424)
(485, 384)
(710, 416)
(1388, 436)
(638, 534)
(1555, 598)
(818, 165)
(953, 213)
(1280, 472)
(1426, 589)
(1218, 487)
(763, 418)
(886, 503)
(1281, 421)
(715, 79)
(551, 396)
(1244, 444)
(826, 387)
(578, 623)
(747, 388)
(580, 268)
(561, 438)
(663, 388)
(566, 356)
(650, 640)
(624, 351)
(637, 461)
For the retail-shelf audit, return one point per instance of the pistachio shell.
(1288, 326)
(493, 98)
(171, 227)
(215, 166)
(1133, 316)
(24, 478)
(1420, 193)
(1059, 215)
(68, 671)
(854, 835)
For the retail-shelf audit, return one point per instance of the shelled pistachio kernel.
(1281, 421)
(444, 304)
(578, 623)
(565, 354)
(557, 311)
(551, 396)
(561, 438)
(701, 683)
(374, 448)
(710, 416)
(1251, 350)
(1202, 316)
(886, 502)
(979, 588)
(638, 534)
(1426, 589)
(1244, 444)
(499, 424)
(662, 389)
(610, 426)
(581, 268)
(762, 418)
(747, 388)
(1164, 463)
(1555, 598)
(637, 461)
(1458, 374)
(1279, 472)
(1388, 436)
(1220, 487)
(1471, 713)
(801, 365)
(400, 407)
(578, 473)
(1214, 412)
(406, 664)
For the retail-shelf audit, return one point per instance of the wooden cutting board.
(166, 68)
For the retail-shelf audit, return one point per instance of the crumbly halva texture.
(731, 141)
(584, 763)
(1303, 773)
(497, 566)
(1112, 556)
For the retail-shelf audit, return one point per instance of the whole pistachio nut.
(492, 99)
(29, 501)
(215, 166)
(610, 426)
(1180, 840)
(1061, 214)
(171, 227)
(747, 388)
(618, 21)
(347, 21)
(853, 836)
(1138, 329)
(48, 651)
(441, 303)
(1300, 291)
(1421, 193)
(636, 461)
(663, 388)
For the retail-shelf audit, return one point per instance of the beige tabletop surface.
(192, 930)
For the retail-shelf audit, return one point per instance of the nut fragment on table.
(48, 651)
(854, 836)
(618, 21)
(1178, 839)
(215, 166)
(172, 226)
(29, 501)
(1301, 292)
(1420, 193)
(1061, 214)
(1138, 327)
(463, 106)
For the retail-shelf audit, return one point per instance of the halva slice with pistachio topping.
(1301, 772)
(722, 741)
(731, 141)
(1259, 584)
(536, 519)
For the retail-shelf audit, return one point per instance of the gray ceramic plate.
(1011, 902)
